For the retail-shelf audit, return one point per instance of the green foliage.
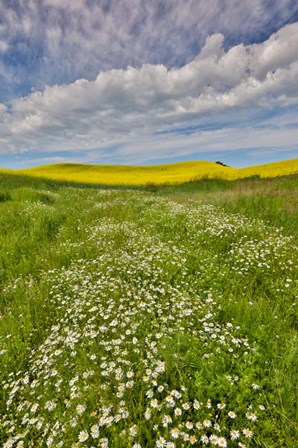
(4, 196)
(272, 200)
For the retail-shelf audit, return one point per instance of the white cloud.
(279, 51)
(126, 105)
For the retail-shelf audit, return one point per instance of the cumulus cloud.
(122, 104)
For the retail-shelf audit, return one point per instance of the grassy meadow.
(153, 316)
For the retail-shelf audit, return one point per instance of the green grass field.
(155, 316)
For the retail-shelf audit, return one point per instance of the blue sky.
(148, 81)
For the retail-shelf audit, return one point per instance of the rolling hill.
(155, 174)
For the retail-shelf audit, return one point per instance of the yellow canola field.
(156, 174)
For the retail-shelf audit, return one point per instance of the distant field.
(156, 174)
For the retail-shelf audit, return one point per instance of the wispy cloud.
(207, 143)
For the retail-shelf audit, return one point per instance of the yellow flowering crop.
(156, 174)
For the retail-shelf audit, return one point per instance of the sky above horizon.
(141, 82)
